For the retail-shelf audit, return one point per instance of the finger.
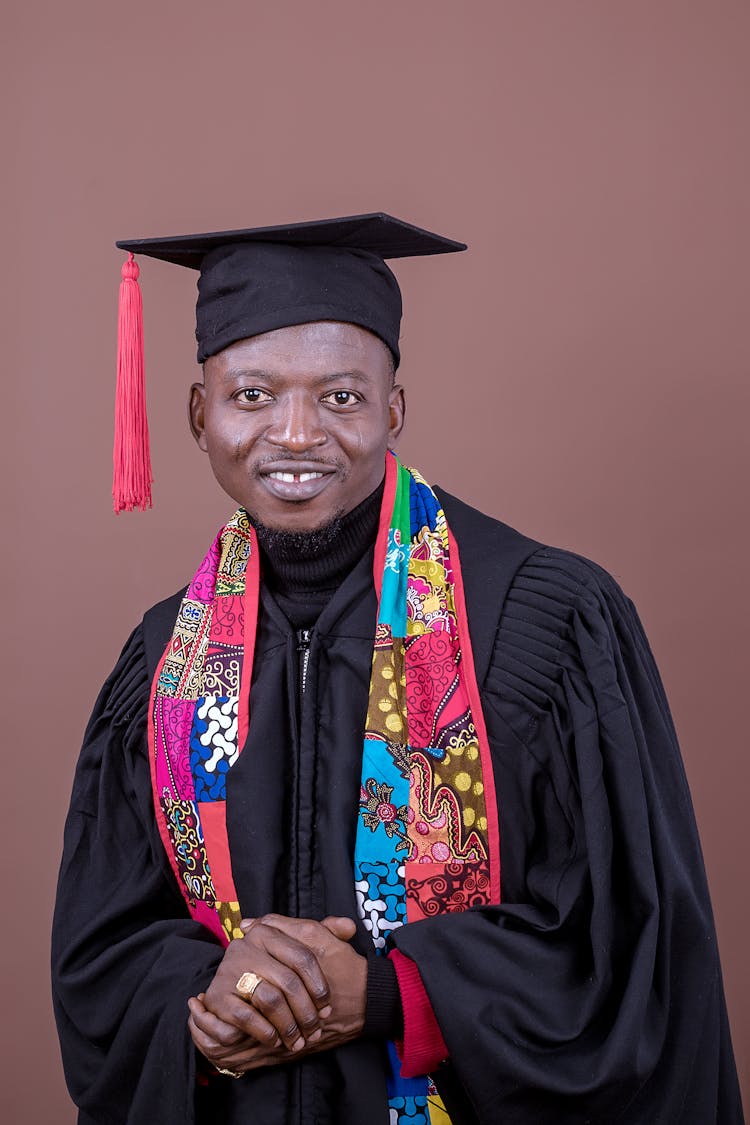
(213, 1029)
(272, 999)
(255, 1057)
(304, 930)
(342, 928)
(282, 1002)
(207, 1037)
(285, 946)
(205, 1044)
(243, 1023)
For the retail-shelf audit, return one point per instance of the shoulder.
(560, 587)
(565, 629)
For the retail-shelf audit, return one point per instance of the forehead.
(319, 348)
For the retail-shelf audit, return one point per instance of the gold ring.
(247, 984)
(230, 1073)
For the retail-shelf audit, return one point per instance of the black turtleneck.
(304, 569)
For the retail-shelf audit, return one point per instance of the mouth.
(296, 483)
(291, 478)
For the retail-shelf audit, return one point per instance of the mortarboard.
(253, 281)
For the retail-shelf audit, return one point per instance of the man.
(258, 920)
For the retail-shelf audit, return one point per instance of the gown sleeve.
(125, 953)
(593, 991)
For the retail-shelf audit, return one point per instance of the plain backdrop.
(581, 372)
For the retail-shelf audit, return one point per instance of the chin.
(294, 522)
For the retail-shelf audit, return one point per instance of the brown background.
(581, 372)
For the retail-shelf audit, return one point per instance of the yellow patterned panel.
(230, 918)
(438, 1114)
(387, 702)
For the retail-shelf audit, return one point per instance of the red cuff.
(423, 1047)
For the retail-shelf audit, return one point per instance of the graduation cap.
(254, 281)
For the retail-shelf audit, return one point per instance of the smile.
(296, 484)
(290, 478)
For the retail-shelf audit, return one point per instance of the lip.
(296, 490)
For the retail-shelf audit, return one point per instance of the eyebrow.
(236, 373)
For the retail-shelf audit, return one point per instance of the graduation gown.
(591, 993)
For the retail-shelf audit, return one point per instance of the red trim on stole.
(249, 626)
(477, 714)
(213, 816)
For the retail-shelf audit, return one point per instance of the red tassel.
(131, 485)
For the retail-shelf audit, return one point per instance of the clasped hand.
(311, 995)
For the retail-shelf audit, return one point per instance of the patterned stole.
(427, 836)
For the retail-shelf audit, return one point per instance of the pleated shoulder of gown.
(129, 685)
(563, 623)
(115, 734)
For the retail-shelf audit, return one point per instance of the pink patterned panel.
(227, 624)
(208, 917)
(203, 586)
(173, 719)
(431, 684)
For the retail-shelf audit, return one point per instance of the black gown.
(593, 993)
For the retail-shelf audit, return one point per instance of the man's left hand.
(346, 973)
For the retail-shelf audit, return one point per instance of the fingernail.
(298, 1044)
(324, 1013)
(315, 1036)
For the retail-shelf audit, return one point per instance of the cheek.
(225, 439)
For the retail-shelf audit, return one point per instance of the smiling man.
(281, 899)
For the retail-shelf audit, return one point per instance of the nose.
(296, 424)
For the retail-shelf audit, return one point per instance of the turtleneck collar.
(304, 570)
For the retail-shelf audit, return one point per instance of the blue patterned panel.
(410, 1089)
(423, 507)
(213, 745)
(383, 806)
(381, 897)
(393, 591)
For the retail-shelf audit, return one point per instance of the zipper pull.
(303, 648)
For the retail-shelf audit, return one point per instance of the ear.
(396, 414)
(196, 414)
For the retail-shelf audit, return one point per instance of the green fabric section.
(401, 513)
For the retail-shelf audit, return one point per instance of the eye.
(342, 398)
(251, 396)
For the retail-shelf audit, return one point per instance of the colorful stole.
(427, 836)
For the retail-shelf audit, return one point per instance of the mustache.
(273, 459)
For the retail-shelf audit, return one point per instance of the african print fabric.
(427, 834)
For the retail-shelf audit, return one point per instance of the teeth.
(291, 478)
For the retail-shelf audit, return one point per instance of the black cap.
(256, 280)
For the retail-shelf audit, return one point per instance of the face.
(296, 422)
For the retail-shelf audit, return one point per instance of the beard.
(288, 546)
